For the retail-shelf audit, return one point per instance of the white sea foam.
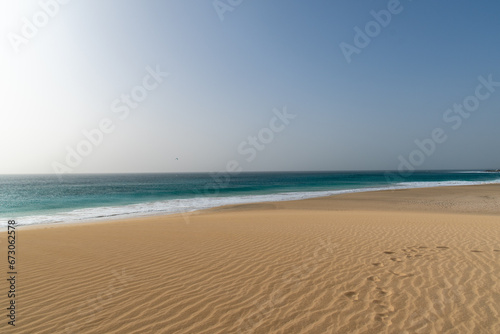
(200, 203)
(471, 172)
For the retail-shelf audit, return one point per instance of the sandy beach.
(406, 261)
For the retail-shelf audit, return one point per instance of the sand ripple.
(264, 271)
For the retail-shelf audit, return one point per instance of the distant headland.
(493, 171)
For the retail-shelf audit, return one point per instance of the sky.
(122, 86)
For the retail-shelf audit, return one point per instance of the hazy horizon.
(263, 171)
(250, 86)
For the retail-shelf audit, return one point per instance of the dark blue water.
(33, 199)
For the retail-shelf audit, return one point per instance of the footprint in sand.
(396, 259)
(383, 293)
(381, 307)
(443, 247)
(384, 318)
(402, 275)
(496, 250)
(476, 251)
(352, 295)
(378, 264)
(389, 252)
(373, 279)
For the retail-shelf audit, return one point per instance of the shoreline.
(296, 187)
(283, 204)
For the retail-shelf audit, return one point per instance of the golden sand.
(408, 261)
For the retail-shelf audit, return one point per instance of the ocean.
(46, 199)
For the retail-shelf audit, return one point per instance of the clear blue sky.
(225, 78)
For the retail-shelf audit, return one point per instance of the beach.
(401, 261)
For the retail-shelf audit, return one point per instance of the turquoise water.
(35, 199)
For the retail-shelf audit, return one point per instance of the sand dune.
(316, 266)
